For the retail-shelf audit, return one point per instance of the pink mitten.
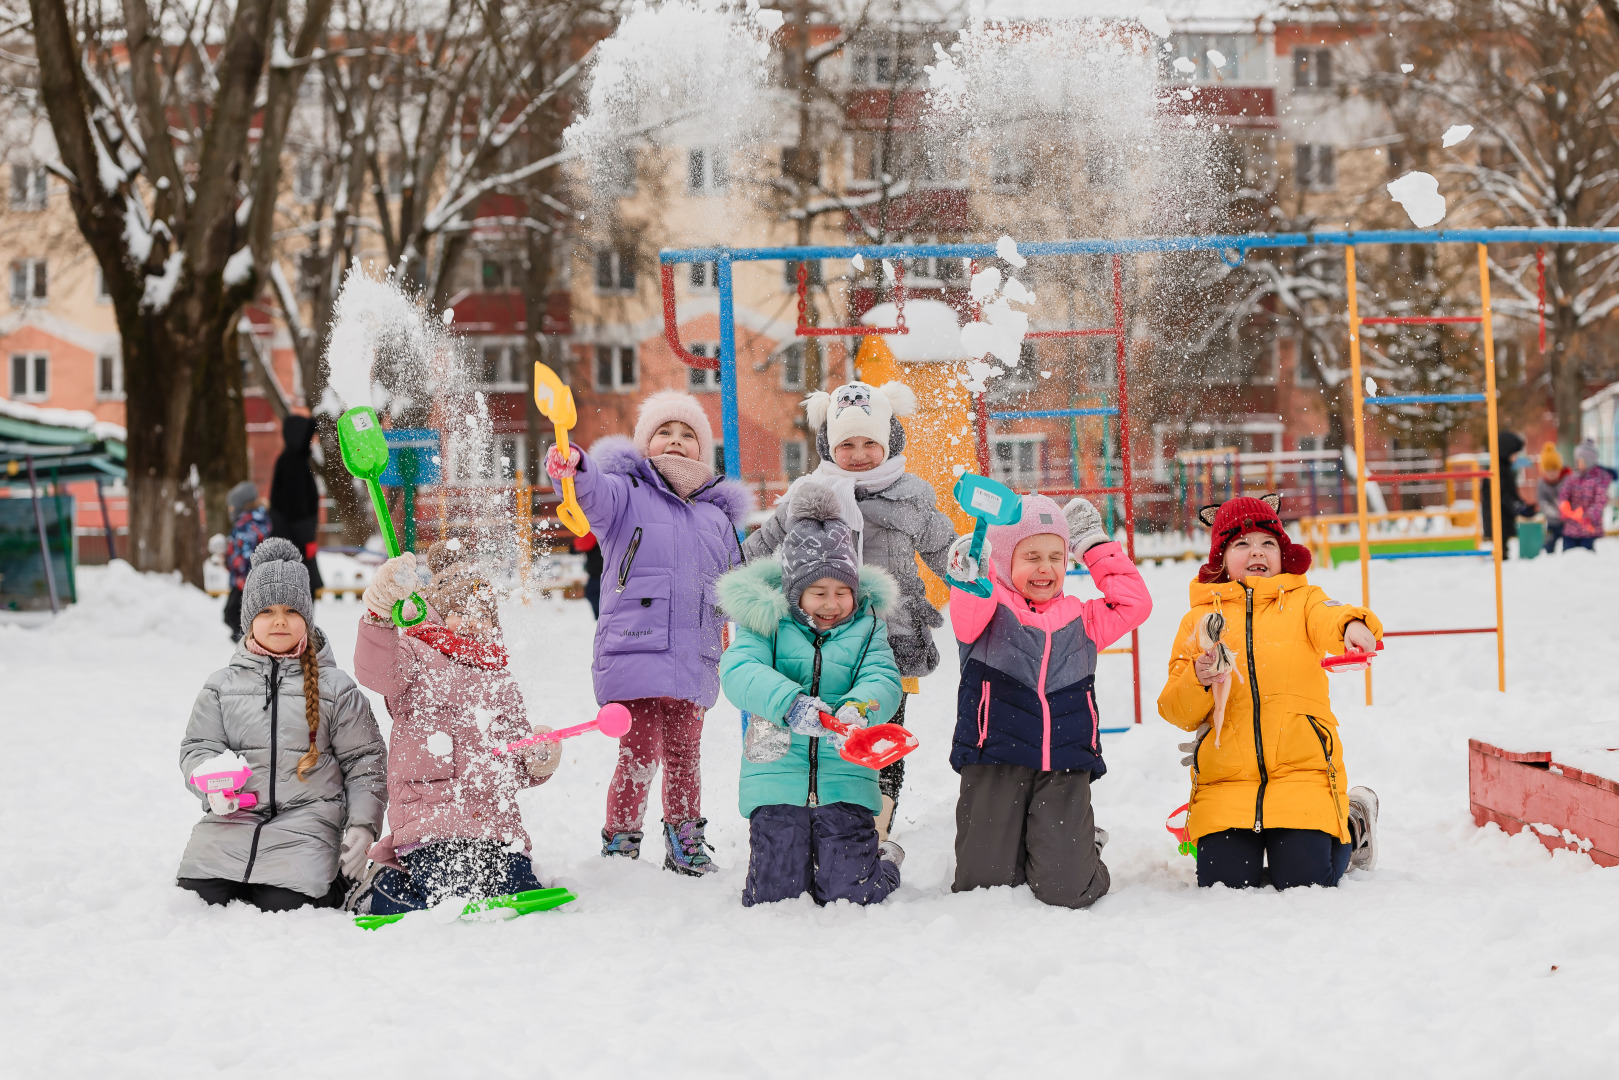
(560, 467)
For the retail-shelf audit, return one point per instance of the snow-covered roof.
(934, 331)
(64, 418)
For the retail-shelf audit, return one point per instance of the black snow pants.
(1237, 858)
(827, 851)
(1016, 825)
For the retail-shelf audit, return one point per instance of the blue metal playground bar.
(1425, 399)
(1233, 249)
(1053, 414)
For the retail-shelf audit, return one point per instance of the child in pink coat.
(1028, 737)
(454, 824)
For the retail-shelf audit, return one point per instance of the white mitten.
(357, 840)
(542, 758)
(1084, 525)
(962, 566)
(394, 581)
(223, 804)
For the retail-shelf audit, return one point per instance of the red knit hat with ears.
(1232, 518)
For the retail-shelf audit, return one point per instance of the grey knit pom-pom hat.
(277, 577)
(818, 543)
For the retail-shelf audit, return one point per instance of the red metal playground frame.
(1232, 248)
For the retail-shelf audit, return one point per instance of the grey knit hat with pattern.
(818, 543)
(277, 577)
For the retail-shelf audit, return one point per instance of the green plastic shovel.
(523, 903)
(365, 455)
(991, 503)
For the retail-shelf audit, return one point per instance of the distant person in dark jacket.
(294, 498)
(1511, 445)
(593, 570)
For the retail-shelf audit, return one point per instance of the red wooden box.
(1563, 806)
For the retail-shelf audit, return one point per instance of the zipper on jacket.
(1259, 739)
(815, 744)
(275, 714)
(1332, 770)
(628, 560)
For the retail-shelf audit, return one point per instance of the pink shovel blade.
(1350, 661)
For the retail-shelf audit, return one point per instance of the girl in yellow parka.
(1287, 803)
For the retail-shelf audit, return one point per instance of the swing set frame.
(1233, 249)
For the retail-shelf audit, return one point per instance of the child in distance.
(811, 639)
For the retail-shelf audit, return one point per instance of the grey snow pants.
(1016, 825)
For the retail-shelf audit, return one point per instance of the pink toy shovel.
(613, 721)
(228, 784)
(1350, 661)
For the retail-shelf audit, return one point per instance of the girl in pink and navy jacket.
(1028, 737)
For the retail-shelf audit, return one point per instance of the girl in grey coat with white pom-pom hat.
(895, 518)
(284, 709)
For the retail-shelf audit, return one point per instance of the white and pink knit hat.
(667, 405)
(1041, 514)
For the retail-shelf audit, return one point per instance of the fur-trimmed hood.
(617, 455)
(752, 595)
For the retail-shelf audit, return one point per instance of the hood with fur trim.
(753, 596)
(617, 455)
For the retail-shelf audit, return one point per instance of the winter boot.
(1362, 828)
(627, 844)
(357, 901)
(1101, 840)
(687, 851)
(891, 852)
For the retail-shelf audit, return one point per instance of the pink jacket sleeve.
(969, 614)
(380, 658)
(1125, 602)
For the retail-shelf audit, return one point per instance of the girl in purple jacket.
(668, 529)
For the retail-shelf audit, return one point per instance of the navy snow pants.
(1237, 858)
(470, 869)
(827, 851)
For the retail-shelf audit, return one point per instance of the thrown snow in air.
(1456, 133)
(1418, 192)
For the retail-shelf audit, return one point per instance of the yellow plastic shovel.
(555, 402)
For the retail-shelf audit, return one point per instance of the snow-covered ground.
(1466, 953)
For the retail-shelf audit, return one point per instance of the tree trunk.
(1563, 365)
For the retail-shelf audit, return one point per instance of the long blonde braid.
(311, 666)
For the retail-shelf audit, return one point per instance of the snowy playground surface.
(1467, 952)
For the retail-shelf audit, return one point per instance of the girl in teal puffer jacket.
(811, 639)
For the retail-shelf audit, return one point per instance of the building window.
(931, 270)
(792, 367)
(495, 274)
(1208, 58)
(30, 185)
(616, 172)
(1015, 459)
(616, 368)
(719, 458)
(1312, 69)
(705, 171)
(109, 376)
(500, 366)
(1104, 166)
(306, 179)
(1009, 168)
(704, 275)
(1315, 167)
(793, 454)
(615, 271)
(1305, 366)
(29, 281)
(883, 67)
(30, 376)
(703, 380)
(812, 272)
(102, 295)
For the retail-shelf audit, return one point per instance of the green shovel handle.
(399, 612)
(391, 541)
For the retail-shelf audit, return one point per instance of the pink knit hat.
(667, 405)
(1041, 514)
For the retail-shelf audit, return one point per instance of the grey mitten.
(1084, 526)
(804, 716)
(1190, 748)
(765, 742)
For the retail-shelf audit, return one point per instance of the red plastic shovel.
(613, 721)
(1351, 661)
(874, 747)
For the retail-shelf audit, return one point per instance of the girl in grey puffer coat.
(319, 774)
(895, 518)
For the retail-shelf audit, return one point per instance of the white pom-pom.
(816, 406)
(900, 397)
